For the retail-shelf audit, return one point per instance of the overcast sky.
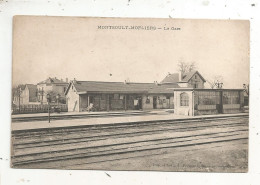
(75, 48)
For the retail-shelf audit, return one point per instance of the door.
(110, 99)
(140, 107)
(155, 102)
(91, 99)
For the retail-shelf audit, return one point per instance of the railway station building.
(185, 94)
(108, 96)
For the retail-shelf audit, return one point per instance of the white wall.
(73, 100)
(183, 110)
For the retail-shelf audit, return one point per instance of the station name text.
(152, 28)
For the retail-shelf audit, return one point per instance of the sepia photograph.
(130, 94)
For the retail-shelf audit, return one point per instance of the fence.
(27, 109)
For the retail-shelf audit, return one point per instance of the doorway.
(140, 107)
(155, 102)
(91, 100)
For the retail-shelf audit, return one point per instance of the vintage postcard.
(130, 94)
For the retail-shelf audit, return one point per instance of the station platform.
(151, 116)
(77, 113)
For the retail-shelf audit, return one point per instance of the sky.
(74, 47)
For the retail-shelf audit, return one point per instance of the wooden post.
(125, 102)
(19, 95)
(49, 115)
(221, 102)
(193, 114)
(108, 103)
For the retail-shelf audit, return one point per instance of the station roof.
(121, 87)
(171, 78)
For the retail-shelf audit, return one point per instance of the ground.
(206, 145)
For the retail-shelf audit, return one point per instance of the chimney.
(67, 80)
(180, 76)
(127, 81)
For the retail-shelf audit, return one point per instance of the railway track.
(61, 130)
(64, 147)
(93, 134)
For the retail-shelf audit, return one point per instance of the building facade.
(108, 96)
(192, 79)
(52, 86)
(183, 93)
(25, 94)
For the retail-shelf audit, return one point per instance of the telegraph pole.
(219, 85)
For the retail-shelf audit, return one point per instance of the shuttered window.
(184, 98)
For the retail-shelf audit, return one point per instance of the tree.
(246, 89)
(216, 82)
(185, 67)
(53, 97)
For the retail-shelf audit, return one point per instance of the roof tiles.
(120, 87)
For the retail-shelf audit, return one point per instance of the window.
(103, 97)
(207, 97)
(116, 96)
(184, 97)
(231, 97)
(147, 100)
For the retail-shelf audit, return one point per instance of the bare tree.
(216, 82)
(192, 66)
(53, 97)
(246, 89)
(185, 67)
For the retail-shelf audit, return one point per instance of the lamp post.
(48, 100)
